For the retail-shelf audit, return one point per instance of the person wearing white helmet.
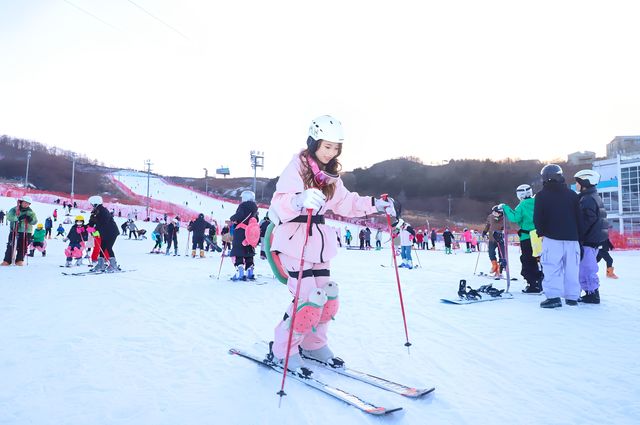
(308, 187)
(522, 215)
(594, 233)
(21, 219)
(245, 236)
(102, 221)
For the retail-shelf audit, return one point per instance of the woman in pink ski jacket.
(311, 181)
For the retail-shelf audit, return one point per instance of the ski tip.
(417, 393)
(379, 411)
(233, 351)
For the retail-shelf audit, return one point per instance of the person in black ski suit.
(198, 226)
(103, 222)
(243, 253)
(448, 239)
(263, 230)
(172, 236)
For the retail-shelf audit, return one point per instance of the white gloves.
(310, 198)
(385, 206)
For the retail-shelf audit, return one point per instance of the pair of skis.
(90, 273)
(342, 395)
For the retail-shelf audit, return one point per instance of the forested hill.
(473, 185)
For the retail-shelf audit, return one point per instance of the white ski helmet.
(95, 200)
(247, 195)
(326, 128)
(26, 199)
(524, 191)
(587, 178)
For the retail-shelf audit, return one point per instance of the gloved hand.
(22, 216)
(484, 234)
(311, 198)
(385, 206)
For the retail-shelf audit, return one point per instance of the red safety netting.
(626, 241)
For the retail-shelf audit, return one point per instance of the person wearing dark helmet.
(595, 232)
(102, 221)
(556, 219)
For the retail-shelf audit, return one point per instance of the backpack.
(251, 232)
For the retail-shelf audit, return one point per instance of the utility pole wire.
(157, 19)
(90, 14)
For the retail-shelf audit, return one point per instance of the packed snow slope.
(150, 346)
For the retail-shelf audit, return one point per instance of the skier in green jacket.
(21, 219)
(522, 215)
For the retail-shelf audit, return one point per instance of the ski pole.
(25, 238)
(417, 258)
(395, 263)
(295, 305)
(186, 248)
(506, 249)
(221, 260)
(477, 259)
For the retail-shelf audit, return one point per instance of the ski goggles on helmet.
(321, 177)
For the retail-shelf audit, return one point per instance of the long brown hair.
(333, 167)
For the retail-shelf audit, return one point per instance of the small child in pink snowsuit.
(311, 181)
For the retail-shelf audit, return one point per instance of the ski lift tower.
(257, 160)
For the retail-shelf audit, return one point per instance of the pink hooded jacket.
(288, 238)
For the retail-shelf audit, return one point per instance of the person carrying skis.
(310, 184)
(522, 215)
(448, 237)
(556, 220)
(594, 233)
(241, 249)
(494, 228)
(77, 237)
(198, 226)
(102, 221)
(20, 219)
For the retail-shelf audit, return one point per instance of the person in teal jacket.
(21, 219)
(38, 241)
(522, 215)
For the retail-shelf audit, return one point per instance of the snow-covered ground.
(150, 346)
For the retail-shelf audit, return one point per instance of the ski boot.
(78, 261)
(68, 263)
(323, 355)
(532, 289)
(239, 274)
(100, 266)
(296, 363)
(250, 275)
(113, 266)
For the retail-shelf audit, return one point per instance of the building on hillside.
(619, 188)
(581, 158)
(623, 145)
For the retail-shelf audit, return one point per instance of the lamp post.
(148, 164)
(26, 176)
(206, 185)
(257, 160)
(73, 174)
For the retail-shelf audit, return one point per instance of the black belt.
(315, 219)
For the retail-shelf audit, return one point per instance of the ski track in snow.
(150, 346)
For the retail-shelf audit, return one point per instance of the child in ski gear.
(48, 225)
(60, 230)
(367, 238)
(556, 219)
(55, 214)
(20, 219)
(172, 236)
(38, 241)
(420, 239)
(198, 226)
(522, 215)
(97, 243)
(406, 235)
(604, 253)
(348, 237)
(494, 228)
(447, 236)
(310, 184)
(242, 250)
(158, 236)
(133, 229)
(76, 237)
(225, 235)
(595, 232)
(102, 220)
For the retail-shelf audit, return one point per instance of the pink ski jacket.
(288, 237)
